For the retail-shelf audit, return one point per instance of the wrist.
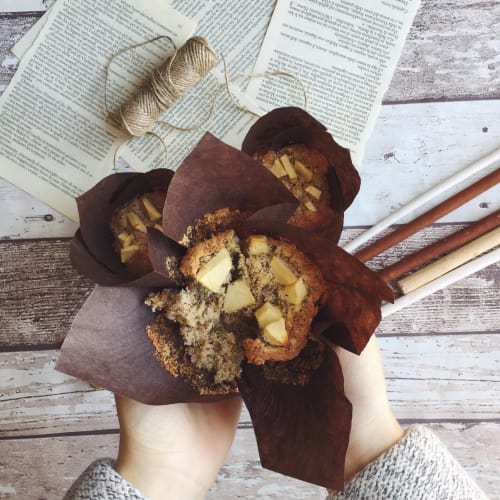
(370, 437)
(155, 476)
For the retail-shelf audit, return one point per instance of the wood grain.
(416, 145)
(448, 47)
(451, 53)
(444, 57)
(41, 294)
(428, 378)
(12, 27)
(441, 355)
(23, 216)
(65, 457)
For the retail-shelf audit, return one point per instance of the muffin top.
(304, 172)
(252, 298)
(129, 225)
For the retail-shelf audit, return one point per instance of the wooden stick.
(441, 247)
(451, 261)
(442, 282)
(424, 220)
(421, 200)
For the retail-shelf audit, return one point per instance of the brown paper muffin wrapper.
(301, 431)
(284, 126)
(213, 176)
(92, 250)
(355, 293)
(216, 176)
(107, 346)
(290, 125)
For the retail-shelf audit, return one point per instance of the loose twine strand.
(167, 83)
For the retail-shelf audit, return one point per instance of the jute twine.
(167, 83)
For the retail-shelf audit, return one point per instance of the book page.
(228, 123)
(235, 30)
(344, 52)
(55, 141)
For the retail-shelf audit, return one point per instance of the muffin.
(304, 172)
(252, 298)
(129, 225)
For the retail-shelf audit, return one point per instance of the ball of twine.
(167, 83)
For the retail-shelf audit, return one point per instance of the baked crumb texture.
(129, 225)
(304, 172)
(251, 299)
(211, 224)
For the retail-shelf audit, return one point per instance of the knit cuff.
(418, 466)
(100, 480)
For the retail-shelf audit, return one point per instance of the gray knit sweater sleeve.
(100, 481)
(417, 467)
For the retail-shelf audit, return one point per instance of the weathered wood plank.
(34, 396)
(443, 377)
(415, 146)
(24, 476)
(23, 216)
(428, 378)
(451, 52)
(12, 27)
(470, 444)
(41, 293)
(470, 305)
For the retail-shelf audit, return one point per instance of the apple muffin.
(304, 172)
(129, 225)
(252, 298)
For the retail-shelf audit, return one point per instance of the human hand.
(374, 429)
(174, 451)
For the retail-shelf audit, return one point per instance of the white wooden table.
(441, 356)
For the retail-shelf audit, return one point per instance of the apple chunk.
(310, 206)
(277, 169)
(153, 214)
(136, 222)
(282, 272)
(275, 333)
(128, 252)
(126, 239)
(257, 245)
(314, 191)
(287, 164)
(238, 296)
(216, 271)
(296, 293)
(303, 171)
(267, 313)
